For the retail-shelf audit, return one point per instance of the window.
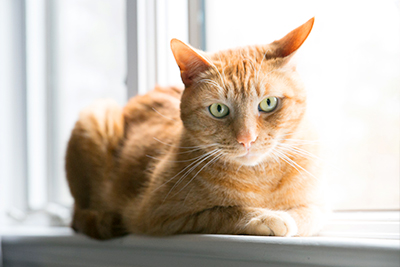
(350, 65)
(70, 53)
(58, 56)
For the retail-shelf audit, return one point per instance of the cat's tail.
(91, 159)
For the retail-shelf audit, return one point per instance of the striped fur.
(164, 165)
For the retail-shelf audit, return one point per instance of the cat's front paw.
(274, 223)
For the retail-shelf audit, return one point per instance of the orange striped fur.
(164, 165)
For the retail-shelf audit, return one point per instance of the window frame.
(31, 112)
(33, 104)
(147, 61)
(14, 157)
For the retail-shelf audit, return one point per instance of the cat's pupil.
(269, 102)
(219, 108)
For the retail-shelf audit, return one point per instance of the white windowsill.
(364, 224)
(349, 239)
(61, 247)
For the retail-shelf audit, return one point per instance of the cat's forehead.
(245, 73)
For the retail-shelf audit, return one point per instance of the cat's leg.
(221, 220)
(98, 224)
(309, 219)
(269, 222)
(90, 162)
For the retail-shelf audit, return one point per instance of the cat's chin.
(250, 159)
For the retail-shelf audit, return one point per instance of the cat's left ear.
(288, 45)
(190, 62)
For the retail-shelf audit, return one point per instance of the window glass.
(89, 64)
(350, 65)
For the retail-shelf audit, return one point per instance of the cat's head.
(242, 101)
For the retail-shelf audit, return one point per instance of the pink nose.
(247, 139)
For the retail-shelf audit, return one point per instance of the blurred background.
(57, 56)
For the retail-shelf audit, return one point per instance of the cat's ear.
(190, 62)
(292, 41)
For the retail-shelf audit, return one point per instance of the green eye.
(268, 104)
(218, 110)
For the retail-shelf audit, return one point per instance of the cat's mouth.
(249, 158)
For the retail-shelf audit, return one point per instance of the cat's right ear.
(190, 62)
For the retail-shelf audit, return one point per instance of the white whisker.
(201, 146)
(293, 163)
(239, 167)
(187, 160)
(298, 150)
(183, 170)
(211, 82)
(299, 140)
(214, 159)
(248, 60)
(162, 115)
(195, 165)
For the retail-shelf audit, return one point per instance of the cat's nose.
(247, 139)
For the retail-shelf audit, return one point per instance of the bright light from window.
(91, 65)
(351, 67)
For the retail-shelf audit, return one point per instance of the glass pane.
(350, 65)
(90, 64)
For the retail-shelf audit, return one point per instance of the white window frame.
(13, 136)
(151, 25)
(148, 59)
(32, 164)
(27, 166)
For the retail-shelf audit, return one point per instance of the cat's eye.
(269, 104)
(218, 110)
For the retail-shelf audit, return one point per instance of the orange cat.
(229, 154)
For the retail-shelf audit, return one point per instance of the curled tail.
(90, 165)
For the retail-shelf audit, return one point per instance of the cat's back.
(151, 118)
(159, 105)
(152, 124)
